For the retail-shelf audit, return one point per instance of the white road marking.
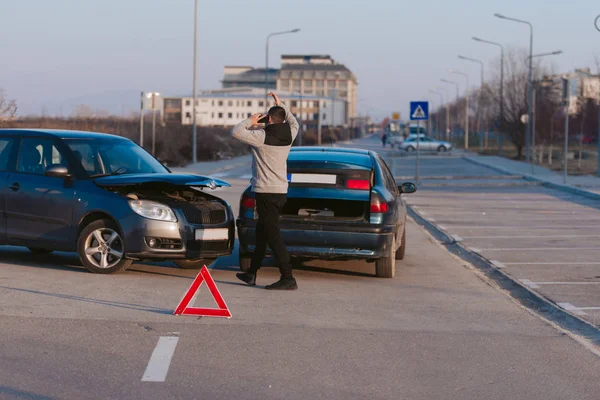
(498, 264)
(553, 263)
(249, 176)
(540, 248)
(523, 227)
(529, 284)
(566, 283)
(442, 227)
(431, 219)
(159, 363)
(529, 237)
(570, 307)
(475, 250)
(220, 174)
(456, 237)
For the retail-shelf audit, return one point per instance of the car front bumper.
(348, 241)
(178, 240)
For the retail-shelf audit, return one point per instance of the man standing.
(270, 149)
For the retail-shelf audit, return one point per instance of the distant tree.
(8, 108)
(83, 111)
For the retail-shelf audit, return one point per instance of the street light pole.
(457, 95)
(267, 61)
(194, 139)
(590, 75)
(142, 119)
(480, 90)
(500, 135)
(466, 107)
(529, 79)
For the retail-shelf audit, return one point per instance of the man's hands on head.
(277, 101)
(255, 118)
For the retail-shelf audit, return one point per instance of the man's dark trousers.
(268, 206)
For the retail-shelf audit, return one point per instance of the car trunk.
(327, 192)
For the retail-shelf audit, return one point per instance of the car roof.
(359, 157)
(60, 133)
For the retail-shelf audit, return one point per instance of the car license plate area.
(310, 212)
(212, 234)
(327, 179)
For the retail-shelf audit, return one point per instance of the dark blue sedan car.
(342, 204)
(109, 200)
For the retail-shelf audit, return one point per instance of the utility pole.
(194, 149)
(142, 119)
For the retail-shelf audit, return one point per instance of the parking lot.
(437, 330)
(545, 238)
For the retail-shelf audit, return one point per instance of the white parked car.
(425, 144)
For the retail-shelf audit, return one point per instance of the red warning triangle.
(183, 309)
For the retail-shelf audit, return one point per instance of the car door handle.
(14, 187)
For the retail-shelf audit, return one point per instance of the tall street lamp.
(534, 112)
(267, 60)
(480, 89)
(501, 87)
(466, 107)
(439, 126)
(194, 148)
(529, 79)
(457, 95)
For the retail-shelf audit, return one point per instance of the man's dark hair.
(277, 114)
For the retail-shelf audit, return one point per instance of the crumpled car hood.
(168, 179)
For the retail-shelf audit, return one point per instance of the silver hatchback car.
(426, 144)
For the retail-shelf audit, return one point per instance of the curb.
(540, 305)
(564, 188)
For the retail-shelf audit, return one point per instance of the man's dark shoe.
(283, 284)
(250, 279)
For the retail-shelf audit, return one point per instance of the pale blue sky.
(57, 53)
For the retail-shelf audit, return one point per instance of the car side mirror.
(58, 171)
(407, 187)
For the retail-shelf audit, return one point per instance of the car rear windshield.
(113, 157)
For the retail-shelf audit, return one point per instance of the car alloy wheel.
(104, 248)
(442, 149)
(410, 149)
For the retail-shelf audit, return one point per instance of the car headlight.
(153, 210)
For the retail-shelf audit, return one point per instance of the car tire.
(410, 149)
(402, 249)
(442, 149)
(385, 267)
(245, 262)
(39, 251)
(193, 264)
(109, 257)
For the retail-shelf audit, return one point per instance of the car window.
(6, 146)
(390, 182)
(86, 155)
(106, 157)
(37, 154)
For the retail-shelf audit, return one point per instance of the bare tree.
(8, 108)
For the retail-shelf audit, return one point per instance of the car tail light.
(358, 184)
(248, 202)
(378, 208)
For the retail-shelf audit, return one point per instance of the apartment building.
(227, 107)
(321, 76)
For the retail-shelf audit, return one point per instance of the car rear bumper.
(178, 239)
(350, 241)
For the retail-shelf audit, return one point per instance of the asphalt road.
(437, 330)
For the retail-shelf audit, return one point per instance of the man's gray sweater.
(270, 149)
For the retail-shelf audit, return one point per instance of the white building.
(227, 107)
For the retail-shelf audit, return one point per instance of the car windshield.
(113, 157)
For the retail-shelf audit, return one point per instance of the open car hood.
(154, 179)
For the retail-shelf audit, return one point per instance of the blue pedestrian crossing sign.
(419, 110)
